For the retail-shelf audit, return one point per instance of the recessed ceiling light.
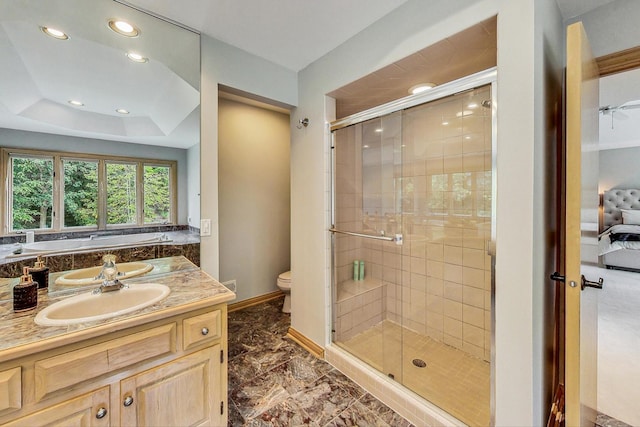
(421, 87)
(136, 57)
(472, 105)
(365, 146)
(52, 32)
(464, 113)
(379, 130)
(122, 111)
(75, 103)
(124, 28)
(445, 123)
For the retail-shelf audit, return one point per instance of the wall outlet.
(230, 284)
(205, 227)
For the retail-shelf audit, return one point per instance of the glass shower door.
(367, 242)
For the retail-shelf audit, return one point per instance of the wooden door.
(581, 202)
(185, 392)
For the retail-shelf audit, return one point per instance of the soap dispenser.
(25, 293)
(40, 274)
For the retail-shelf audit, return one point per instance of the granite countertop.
(191, 289)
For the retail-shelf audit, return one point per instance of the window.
(55, 191)
(157, 194)
(121, 193)
(32, 192)
(80, 193)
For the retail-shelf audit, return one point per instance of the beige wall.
(254, 196)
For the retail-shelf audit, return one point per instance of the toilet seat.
(285, 277)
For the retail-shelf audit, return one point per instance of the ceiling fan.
(618, 110)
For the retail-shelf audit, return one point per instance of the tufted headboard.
(616, 199)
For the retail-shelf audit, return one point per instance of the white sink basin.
(87, 276)
(88, 307)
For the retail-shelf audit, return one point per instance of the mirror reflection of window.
(157, 194)
(32, 192)
(121, 193)
(80, 193)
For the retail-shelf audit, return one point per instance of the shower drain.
(419, 363)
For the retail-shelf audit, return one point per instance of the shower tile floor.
(275, 382)
(452, 379)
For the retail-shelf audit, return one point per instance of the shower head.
(486, 103)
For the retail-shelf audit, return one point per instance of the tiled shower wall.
(425, 174)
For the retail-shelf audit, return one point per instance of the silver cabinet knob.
(102, 412)
(205, 331)
(128, 401)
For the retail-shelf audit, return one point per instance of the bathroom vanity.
(163, 365)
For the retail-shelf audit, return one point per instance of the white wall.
(226, 65)
(44, 141)
(520, 340)
(619, 168)
(612, 27)
(193, 186)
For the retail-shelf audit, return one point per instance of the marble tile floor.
(606, 421)
(275, 382)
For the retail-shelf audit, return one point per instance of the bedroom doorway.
(618, 322)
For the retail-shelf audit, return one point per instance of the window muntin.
(80, 193)
(31, 194)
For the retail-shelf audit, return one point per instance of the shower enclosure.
(413, 185)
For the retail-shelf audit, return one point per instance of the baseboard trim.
(306, 343)
(255, 301)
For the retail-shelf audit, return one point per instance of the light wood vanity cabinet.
(167, 372)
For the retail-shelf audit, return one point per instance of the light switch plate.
(205, 227)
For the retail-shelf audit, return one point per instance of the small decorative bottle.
(356, 271)
(361, 271)
(25, 293)
(40, 274)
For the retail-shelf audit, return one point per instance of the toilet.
(284, 283)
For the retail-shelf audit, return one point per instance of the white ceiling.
(292, 33)
(572, 8)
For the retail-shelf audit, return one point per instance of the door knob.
(584, 283)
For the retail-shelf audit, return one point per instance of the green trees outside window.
(157, 195)
(32, 198)
(80, 193)
(121, 193)
(49, 190)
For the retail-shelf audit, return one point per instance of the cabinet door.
(89, 410)
(185, 392)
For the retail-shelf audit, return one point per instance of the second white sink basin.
(87, 276)
(88, 307)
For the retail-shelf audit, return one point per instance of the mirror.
(115, 94)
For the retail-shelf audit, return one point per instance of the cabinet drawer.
(201, 329)
(64, 370)
(10, 390)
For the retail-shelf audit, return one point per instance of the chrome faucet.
(109, 274)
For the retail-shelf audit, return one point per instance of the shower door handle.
(366, 236)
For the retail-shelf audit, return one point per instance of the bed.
(619, 240)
